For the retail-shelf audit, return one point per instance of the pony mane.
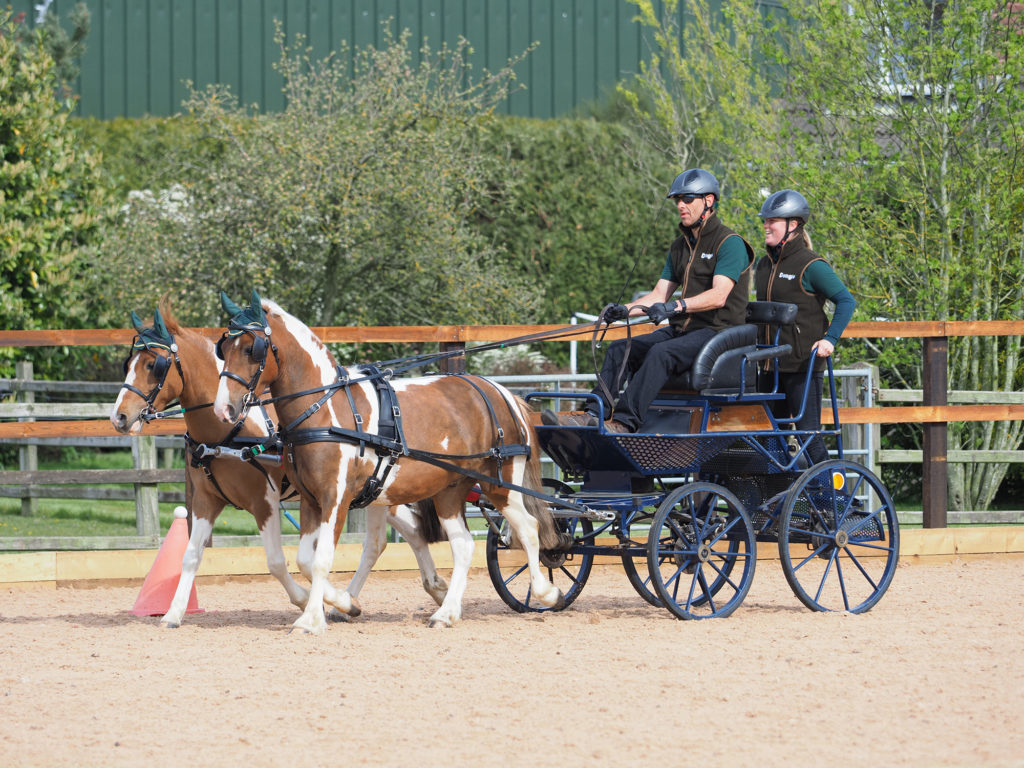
(273, 309)
(167, 312)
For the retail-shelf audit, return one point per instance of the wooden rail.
(933, 414)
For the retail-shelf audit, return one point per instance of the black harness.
(161, 367)
(252, 450)
(389, 440)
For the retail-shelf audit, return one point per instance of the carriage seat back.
(771, 312)
(720, 363)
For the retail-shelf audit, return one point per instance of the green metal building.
(140, 53)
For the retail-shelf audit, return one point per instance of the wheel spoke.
(824, 576)
(708, 593)
(515, 573)
(842, 582)
(856, 561)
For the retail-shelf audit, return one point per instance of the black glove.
(661, 311)
(616, 312)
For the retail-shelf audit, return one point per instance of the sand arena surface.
(932, 676)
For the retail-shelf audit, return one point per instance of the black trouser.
(653, 359)
(793, 386)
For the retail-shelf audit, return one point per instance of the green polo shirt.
(732, 260)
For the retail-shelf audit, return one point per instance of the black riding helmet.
(695, 181)
(786, 204)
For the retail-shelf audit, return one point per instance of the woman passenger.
(791, 272)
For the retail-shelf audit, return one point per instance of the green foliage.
(701, 100)
(351, 207)
(577, 214)
(51, 196)
(142, 153)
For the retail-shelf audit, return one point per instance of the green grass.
(91, 517)
(68, 517)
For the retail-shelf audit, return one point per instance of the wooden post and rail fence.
(42, 422)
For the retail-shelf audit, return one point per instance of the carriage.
(710, 478)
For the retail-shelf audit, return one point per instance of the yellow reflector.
(838, 480)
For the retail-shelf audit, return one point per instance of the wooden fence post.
(147, 507)
(28, 455)
(934, 443)
(456, 363)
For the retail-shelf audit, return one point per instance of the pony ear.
(137, 323)
(159, 326)
(257, 307)
(229, 306)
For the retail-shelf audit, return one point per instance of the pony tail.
(430, 525)
(537, 508)
(807, 240)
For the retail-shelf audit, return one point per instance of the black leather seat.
(721, 363)
(727, 363)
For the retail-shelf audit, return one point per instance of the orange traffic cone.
(162, 579)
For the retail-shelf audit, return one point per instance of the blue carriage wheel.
(510, 572)
(701, 552)
(839, 537)
(634, 530)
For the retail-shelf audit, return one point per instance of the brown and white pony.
(452, 416)
(169, 362)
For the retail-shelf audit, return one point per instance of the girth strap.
(389, 442)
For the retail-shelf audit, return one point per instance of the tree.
(915, 109)
(52, 199)
(350, 207)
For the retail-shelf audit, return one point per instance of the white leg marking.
(373, 545)
(526, 527)
(276, 562)
(462, 543)
(189, 565)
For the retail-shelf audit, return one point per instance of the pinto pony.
(432, 439)
(168, 362)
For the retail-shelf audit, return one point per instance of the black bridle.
(257, 353)
(161, 367)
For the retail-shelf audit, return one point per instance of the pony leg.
(373, 545)
(405, 520)
(462, 543)
(313, 620)
(526, 529)
(307, 551)
(270, 533)
(201, 528)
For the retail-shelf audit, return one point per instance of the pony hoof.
(336, 617)
(170, 624)
(435, 623)
(559, 603)
(356, 609)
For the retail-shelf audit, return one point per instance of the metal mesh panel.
(657, 454)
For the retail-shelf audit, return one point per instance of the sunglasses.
(687, 198)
